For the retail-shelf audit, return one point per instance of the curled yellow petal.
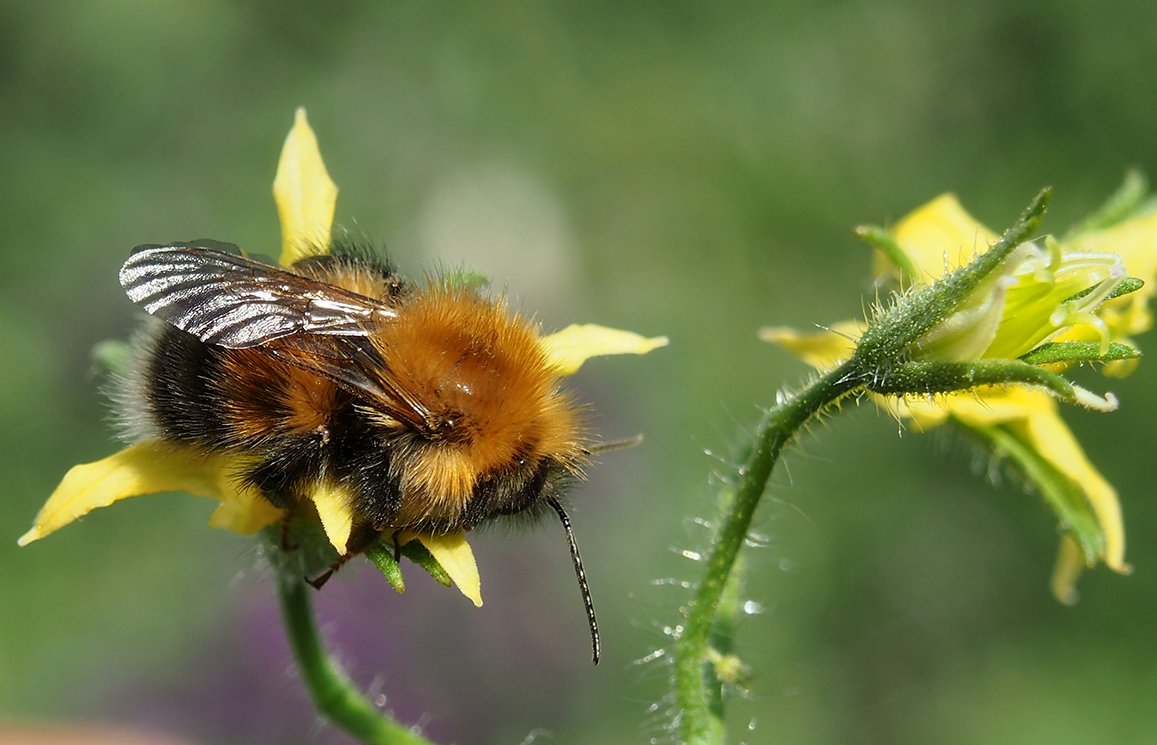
(337, 517)
(306, 196)
(149, 467)
(456, 557)
(822, 350)
(941, 236)
(1055, 441)
(1035, 414)
(569, 348)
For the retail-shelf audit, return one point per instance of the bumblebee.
(433, 407)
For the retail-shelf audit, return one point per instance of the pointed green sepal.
(881, 240)
(1067, 500)
(382, 556)
(931, 378)
(1126, 286)
(464, 280)
(111, 357)
(1079, 351)
(894, 332)
(420, 555)
(1120, 205)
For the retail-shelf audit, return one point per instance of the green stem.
(700, 717)
(722, 641)
(332, 692)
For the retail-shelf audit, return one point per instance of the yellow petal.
(1035, 413)
(941, 236)
(984, 406)
(1135, 241)
(456, 557)
(337, 517)
(922, 412)
(988, 406)
(570, 348)
(147, 467)
(305, 194)
(822, 350)
(1055, 442)
(1069, 566)
(245, 511)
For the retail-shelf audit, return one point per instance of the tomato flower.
(1043, 300)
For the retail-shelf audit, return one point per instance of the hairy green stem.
(700, 719)
(332, 692)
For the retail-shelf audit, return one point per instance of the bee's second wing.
(235, 302)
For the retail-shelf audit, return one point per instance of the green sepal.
(465, 280)
(297, 544)
(891, 333)
(929, 378)
(1078, 351)
(382, 557)
(1127, 286)
(420, 555)
(111, 357)
(881, 240)
(1121, 205)
(1062, 495)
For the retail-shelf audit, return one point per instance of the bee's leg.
(397, 546)
(286, 545)
(359, 541)
(318, 581)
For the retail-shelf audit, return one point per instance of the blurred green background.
(677, 168)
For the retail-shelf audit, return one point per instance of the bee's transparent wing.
(238, 303)
(235, 302)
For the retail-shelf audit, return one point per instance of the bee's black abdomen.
(191, 399)
(289, 466)
(235, 401)
(184, 403)
(361, 461)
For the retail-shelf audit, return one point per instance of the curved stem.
(700, 716)
(332, 692)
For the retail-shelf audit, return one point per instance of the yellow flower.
(1043, 292)
(306, 198)
(1125, 317)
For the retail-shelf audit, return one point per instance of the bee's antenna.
(623, 444)
(581, 575)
